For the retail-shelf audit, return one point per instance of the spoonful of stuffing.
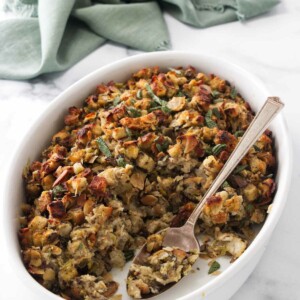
(168, 255)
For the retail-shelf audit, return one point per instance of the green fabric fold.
(52, 35)
(247, 9)
(132, 24)
(206, 13)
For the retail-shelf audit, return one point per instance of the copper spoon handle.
(259, 124)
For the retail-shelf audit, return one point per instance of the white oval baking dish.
(198, 285)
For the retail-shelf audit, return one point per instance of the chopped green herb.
(209, 113)
(139, 94)
(214, 267)
(121, 162)
(218, 148)
(218, 100)
(132, 101)
(215, 93)
(128, 254)
(256, 148)
(133, 112)
(239, 133)
(216, 112)
(249, 207)
(269, 176)
(58, 191)
(165, 109)
(154, 108)
(132, 133)
(159, 147)
(165, 145)
(103, 147)
(116, 101)
(208, 150)
(239, 169)
(128, 132)
(80, 247)
(162, 147)
(209, 122)
(152, 95)
(161, 102)
(233, 93)
(180, 94)
(178, 72)
(225, 184)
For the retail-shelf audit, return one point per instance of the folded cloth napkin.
(52, 35)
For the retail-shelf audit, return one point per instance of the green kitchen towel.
(52, 35)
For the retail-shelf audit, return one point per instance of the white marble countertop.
(269, 47)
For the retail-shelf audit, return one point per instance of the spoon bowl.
(179, 237)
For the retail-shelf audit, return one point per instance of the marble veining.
(267, 46)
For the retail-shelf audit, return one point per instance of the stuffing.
(136, 158)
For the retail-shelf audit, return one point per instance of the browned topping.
(73, 116)
(61, 177)
(98, 186)
(135, 159)
(56, 209)
(183, 215)
(112, 287)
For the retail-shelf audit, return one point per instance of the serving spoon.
(184, 237)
